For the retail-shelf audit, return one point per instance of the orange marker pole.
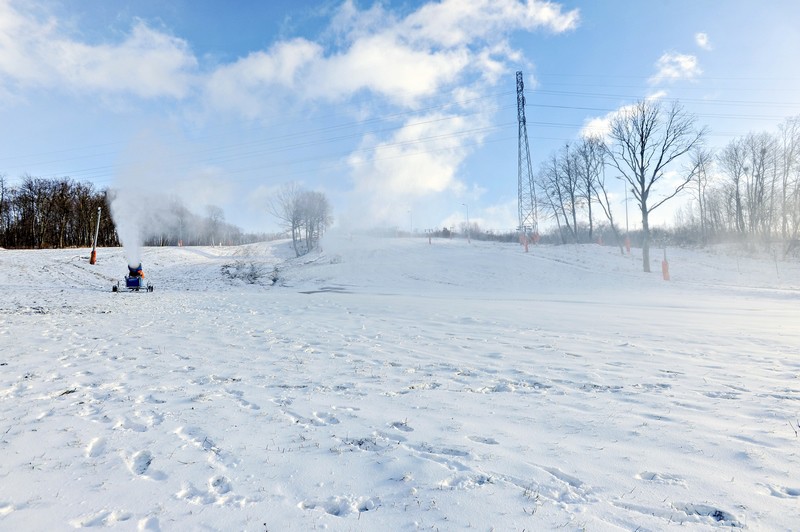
(93, 256)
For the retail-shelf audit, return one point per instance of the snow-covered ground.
(389, 384)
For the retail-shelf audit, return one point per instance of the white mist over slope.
(138, 199)
(127, 212)
(151, 187)
(389, 384)
(139, 212)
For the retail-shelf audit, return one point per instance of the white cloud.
(457, 22)
(419, 159)
(658, 95)
(245, 86)
(148, 64)
(384, 65)
(492, 61)
(600, 127)
(673, 66)
(597, 127)
(422, 159)
(702, 41)
(399, 59)
(38, 53)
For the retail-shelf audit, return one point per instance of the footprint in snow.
(127, 424)
(661, 478)
(480, 439)
(784, 492)
(96, 447)
(707, 512)
(343, 506)
(219, 485)
(219, 492)
(105, 518)
(151, 418)
(140, 462)
(402, 425)
(238, 396)
(325, 418)
(149, 524)
(466, 482)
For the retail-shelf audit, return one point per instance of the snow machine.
(134, 281)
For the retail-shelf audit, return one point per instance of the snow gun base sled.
(134, 281)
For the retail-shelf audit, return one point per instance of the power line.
(376, 126)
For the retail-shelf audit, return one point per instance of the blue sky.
(401, 112)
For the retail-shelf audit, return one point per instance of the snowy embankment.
(396, 385)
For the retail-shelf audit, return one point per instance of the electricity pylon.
(528, 222)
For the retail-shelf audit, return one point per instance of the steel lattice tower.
(528, 223)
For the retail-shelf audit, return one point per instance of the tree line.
(179, 226)
(53, 213)
(750, 189)
(60, 212)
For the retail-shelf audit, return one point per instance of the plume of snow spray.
(136, 199)
(140, 214)
(149, 187)
(128, 213)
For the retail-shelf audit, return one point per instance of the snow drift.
(396, 385)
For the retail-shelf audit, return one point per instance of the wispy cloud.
(419, 160)
(701, 39)
(674, 66)
(36, 53)
(401, 59)
(458, 22)
(600, 127)
(243, 86)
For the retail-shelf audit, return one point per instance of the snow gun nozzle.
(135, 271)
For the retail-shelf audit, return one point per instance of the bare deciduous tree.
(316, 216)
(759, 149)
(703, 160)
(215, 219)
(733, 161)
(646, 140)
(285, 206)
(789, 135)
(590, 162)
(569, 183)
(304, 214)
(551, 193)
(600, 191)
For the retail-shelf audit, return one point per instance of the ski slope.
(392, 384)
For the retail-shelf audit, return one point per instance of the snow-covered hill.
(392, 384)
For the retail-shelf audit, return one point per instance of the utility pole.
(626, 210)
(627, 233)
(467, 206)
